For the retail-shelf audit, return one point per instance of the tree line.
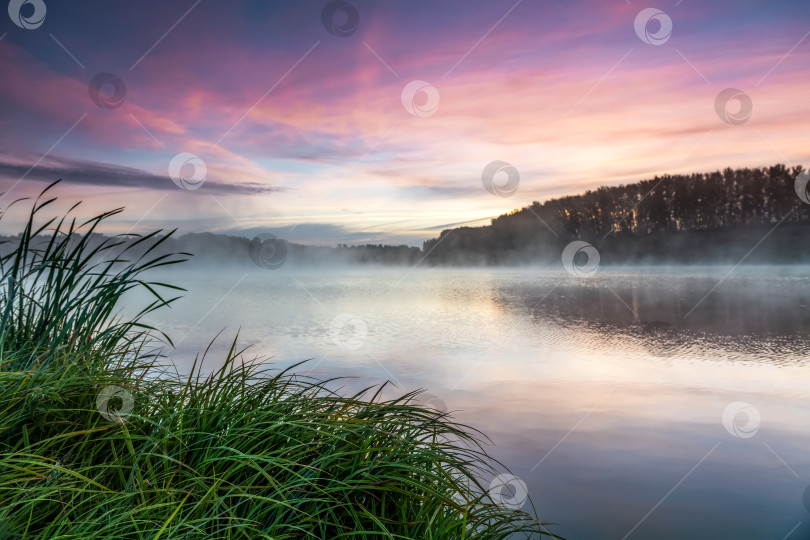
(702, 217)
(652, 219)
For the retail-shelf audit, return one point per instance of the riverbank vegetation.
(101, 438)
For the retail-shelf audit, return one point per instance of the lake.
(634, 403)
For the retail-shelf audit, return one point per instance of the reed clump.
(100, 438)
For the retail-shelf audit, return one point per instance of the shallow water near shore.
(645, 403)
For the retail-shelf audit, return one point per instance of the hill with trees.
(711, 217)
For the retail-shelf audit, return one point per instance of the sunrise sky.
(297, 109)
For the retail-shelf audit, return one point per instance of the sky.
(327, 122)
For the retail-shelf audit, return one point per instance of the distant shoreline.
(737, 216)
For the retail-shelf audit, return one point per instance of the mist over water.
(602, 394)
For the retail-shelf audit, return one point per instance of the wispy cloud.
(72, 171)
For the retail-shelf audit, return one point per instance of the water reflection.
(731, 308)
(599, 457)
(604, 395)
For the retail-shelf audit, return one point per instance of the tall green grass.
(243, 452)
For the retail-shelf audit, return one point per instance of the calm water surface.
(605, 395)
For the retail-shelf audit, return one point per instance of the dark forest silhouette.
(713, 217)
